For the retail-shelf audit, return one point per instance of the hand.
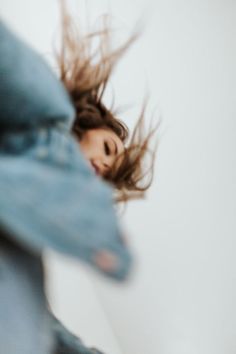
(106, 261)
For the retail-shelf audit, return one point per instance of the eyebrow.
(114, 145)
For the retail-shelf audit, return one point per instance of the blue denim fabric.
(25, 325)
(68, 343)
(49, 198)
(49, 195)
(30, 92)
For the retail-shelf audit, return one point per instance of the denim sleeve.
(49, 196)
(68, 343)
(30, 93)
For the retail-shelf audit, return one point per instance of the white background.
(181, 297)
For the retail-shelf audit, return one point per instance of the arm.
(53, 201)
(30, 93)
(67, 209)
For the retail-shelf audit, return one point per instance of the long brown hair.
(85, 72)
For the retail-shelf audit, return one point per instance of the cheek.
(90, 145)
(84, 145)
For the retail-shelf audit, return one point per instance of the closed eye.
(107, 148)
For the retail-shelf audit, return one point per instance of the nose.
(101, 166)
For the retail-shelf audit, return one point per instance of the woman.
(85, 73)
(56, 147)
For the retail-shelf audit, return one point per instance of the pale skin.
(101, 147)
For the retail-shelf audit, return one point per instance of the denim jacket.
(49, 196)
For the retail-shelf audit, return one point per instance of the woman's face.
(101, 147)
